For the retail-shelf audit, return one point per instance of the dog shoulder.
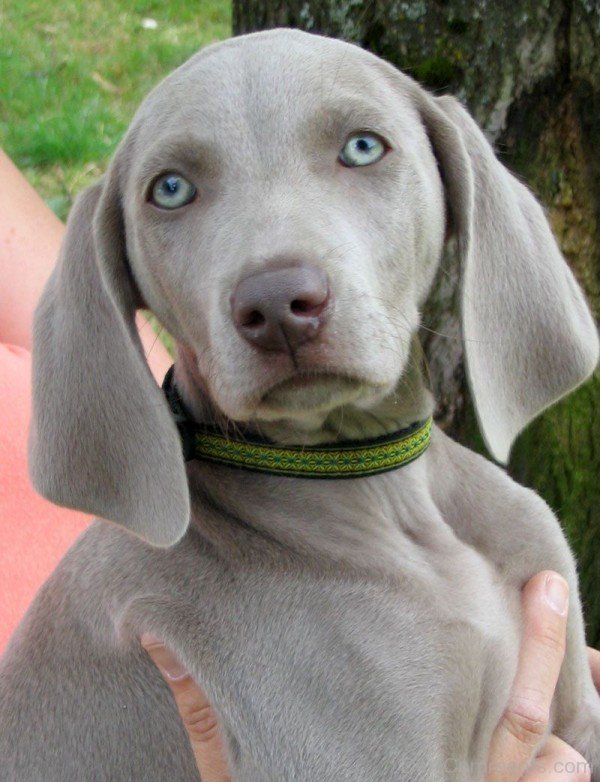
(486, 506)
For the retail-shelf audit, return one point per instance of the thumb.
(525, 722)
(197, 714)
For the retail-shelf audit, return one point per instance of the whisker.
(157, 335)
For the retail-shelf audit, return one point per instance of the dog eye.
(362, 149)
(171, 190)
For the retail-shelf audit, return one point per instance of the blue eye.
(362, 149)
(171, 191)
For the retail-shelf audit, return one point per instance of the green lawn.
(73, 72)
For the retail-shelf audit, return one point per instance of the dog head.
(281, 203)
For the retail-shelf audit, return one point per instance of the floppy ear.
(102, 439)
(529, 337)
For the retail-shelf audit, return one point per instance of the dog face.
(280, 203)
(268, 135)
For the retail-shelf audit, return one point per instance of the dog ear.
(102, 439)
(529, 337)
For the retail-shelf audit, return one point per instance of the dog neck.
(409, 402)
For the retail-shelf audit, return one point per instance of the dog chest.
(356, 669)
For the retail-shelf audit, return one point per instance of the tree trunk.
(529, 71)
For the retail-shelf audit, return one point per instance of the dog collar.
(346, 459)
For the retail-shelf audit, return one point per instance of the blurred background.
(72, 74)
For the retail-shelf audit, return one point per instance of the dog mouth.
(310, 392)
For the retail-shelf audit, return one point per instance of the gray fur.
(364, 629)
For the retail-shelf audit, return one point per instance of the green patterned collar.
(349, 459)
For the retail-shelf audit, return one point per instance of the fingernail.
(164, 658)
(557, 594)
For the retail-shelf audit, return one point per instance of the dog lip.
(301, 380)
(307, 378)
(314, 391)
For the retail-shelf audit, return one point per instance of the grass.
(73, 73)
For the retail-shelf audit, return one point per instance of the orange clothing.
(34, 534)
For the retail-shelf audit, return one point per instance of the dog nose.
(280, 309)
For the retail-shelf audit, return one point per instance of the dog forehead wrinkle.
(332, 122)
(190, 153)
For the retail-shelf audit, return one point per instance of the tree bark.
(529, 72)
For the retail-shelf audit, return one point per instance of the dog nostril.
(253, 318)
(305, 307)
(298, 306)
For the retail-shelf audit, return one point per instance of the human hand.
(523, 727)
(197, 715)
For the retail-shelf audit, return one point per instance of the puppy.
(281, 203)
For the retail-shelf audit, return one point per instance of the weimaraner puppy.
(281, 202)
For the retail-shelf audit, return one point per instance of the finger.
(594, 658)
(525, 721)
(557, 762)
(196, 712)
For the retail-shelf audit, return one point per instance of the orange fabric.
(34, 534)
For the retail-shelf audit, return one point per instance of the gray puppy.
(281, 202)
